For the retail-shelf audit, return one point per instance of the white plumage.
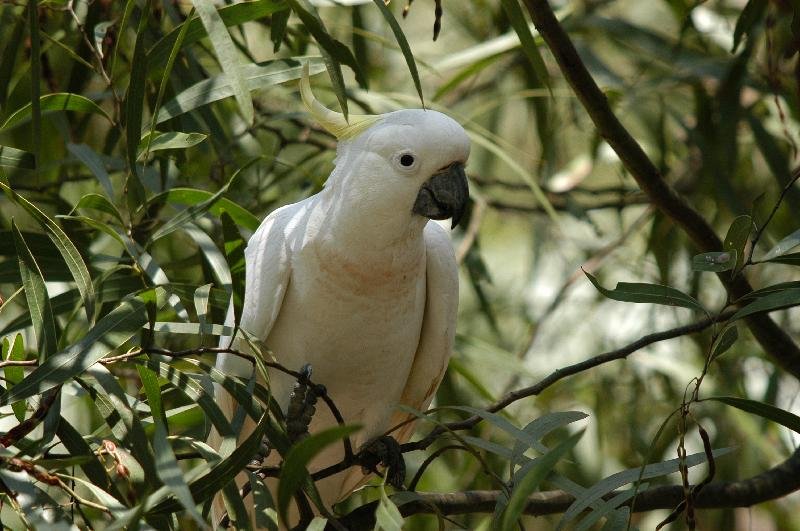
(355, 280)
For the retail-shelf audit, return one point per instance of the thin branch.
(777, 205)
(775, 341)
(569, 370)
(774, 483)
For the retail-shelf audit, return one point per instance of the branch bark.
(774, 483)
(772, 338)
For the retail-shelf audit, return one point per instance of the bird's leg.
(384, 450)
(302, 405)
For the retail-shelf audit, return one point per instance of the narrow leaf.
(531, 480)
(725, 341)
(404, 47)
(65, 246)
(771, 302)
(294, 472)
(226, 54)
(109, 333)
(782, 417)
(783, 246)
(171, 140)
(17, 158)
(60, 101)
(647, 293)
(44, 326)
(529, 47)
(256, 76)
(95, 164)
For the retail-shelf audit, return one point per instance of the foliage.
(142, 142)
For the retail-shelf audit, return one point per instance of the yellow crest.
(333, 122)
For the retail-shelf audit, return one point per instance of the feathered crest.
(334, 122)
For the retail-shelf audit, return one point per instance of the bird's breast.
(357, 322)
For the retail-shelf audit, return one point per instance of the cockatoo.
(356, 281)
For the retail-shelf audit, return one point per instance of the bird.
(357, 281)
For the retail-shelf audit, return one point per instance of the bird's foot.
(302, 405)
(384, 450)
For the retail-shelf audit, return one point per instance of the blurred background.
(709, 89)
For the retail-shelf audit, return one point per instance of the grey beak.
(444, 195)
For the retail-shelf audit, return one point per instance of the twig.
(569, 370)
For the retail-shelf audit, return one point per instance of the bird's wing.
(438, 328)
(267, 273)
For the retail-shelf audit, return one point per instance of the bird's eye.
(407, 160)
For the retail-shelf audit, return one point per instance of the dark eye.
(407, 160)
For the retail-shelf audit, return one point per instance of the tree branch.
(774, 483)
(569, 370)
(775, 341)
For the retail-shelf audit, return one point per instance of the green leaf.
(16, 158)
(404, 47)
(134, 110)
(531, 480)
(44, 325)
(166, 465)
(95, 164)
(647, 293)
(226, 55)
(190, 196)
(782, 417)
(58, 102)
(780, 286)
(67, 249)
(234, 254)
(266, 517)
(715, 261)
(294, 473)
(387, 515)
(15, 351)
(774, 301)
(231, 15)
(220, 474)
(788, 259)
(737, 237)
(520, 25)
(101, 204)
(35, 111)
(256, 76)
(334, 52)
(109, 333)
(751, 14)
(317, 524)
(170, 140)
(213, 256)
(618, 479)
(277, 29)
(196, 210)
(77, 446)
(725, 341)
(783, 247)
(115, 407)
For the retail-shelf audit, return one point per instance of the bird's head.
(409, 161)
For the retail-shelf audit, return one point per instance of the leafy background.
(142, 142)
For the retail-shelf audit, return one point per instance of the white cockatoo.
(356, 281)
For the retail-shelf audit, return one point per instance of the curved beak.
(444, 195)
